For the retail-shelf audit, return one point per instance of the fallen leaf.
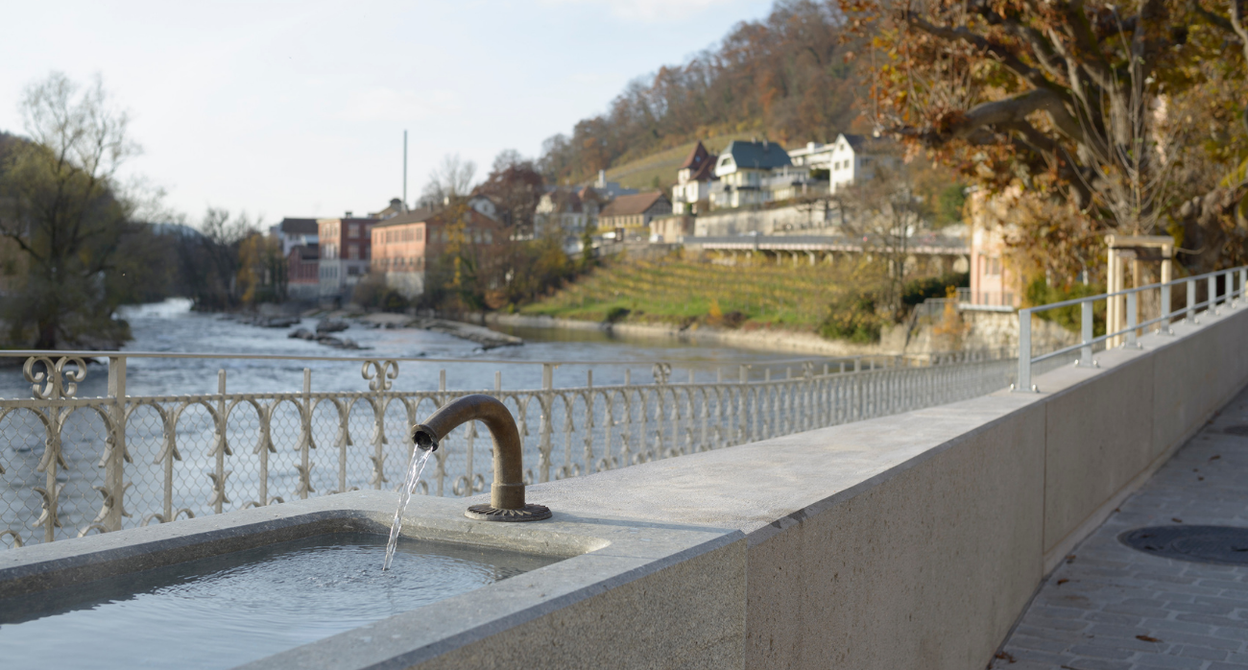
(1147, 638)
(1062, 581)
(1070, 558)
(1005, 656)
(1200, 479)
(1215, 457)
(1177, 520)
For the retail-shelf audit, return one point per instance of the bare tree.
(211, 259)
(452, 179)
(63, 210)
(882, 214)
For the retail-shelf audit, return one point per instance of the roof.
(348, 219)
(855, 141)
(760, 155)
(431, 217)
(704, 172)
(696, 158)
(297, 226)
(415, 216)
(638, 203)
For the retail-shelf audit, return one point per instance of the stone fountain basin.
(597, 555)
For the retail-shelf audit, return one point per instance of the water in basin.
(227, 610)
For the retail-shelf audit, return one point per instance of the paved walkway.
(1110, 607)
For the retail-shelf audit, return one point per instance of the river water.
(353, 439)
(171, 327)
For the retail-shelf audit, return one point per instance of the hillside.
(787, 78)
(685, 292)
(662, 165)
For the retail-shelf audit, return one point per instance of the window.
(420, 233)
(353, 252)
(353, 230)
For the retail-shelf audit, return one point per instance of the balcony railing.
(74, 465)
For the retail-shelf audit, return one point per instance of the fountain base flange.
(487, 512)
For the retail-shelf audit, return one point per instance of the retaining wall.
(917, 540)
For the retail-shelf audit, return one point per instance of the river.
(171, 327)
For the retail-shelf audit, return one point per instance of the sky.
(298, 108)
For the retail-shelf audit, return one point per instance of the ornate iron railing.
(74, 465)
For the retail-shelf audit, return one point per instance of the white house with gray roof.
(743, 171)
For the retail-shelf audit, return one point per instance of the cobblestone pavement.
(1110, 607)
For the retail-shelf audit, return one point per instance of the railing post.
(1085, 335)
(1132, 319)
(1024, 351)
(1213, 294)
(1190, 314)
(743, 426)
(546, 428)
(221, 448)
(305, 441)
(1163, 326)
(115, 460)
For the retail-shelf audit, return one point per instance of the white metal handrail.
(1129, 334)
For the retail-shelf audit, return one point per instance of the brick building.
(404, 247)
(345, 246)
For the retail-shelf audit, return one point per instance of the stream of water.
(419, 458)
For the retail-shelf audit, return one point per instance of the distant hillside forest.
(784, 77)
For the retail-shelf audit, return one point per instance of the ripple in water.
(223, 611)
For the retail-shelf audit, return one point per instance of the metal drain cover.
(1237, 429)
(1203, 544)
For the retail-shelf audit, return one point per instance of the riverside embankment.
(979, 331)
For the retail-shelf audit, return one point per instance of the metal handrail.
(71, 459)
(39, 353)
(1129, 333)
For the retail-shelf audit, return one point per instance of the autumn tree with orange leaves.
(1129, 114)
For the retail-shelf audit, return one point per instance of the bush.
(617, 314)
(1040, 293)
(370, 291)
(394, 302)
(853, 318)
(734, 319)
(916, 291)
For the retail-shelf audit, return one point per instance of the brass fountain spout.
(507, 490)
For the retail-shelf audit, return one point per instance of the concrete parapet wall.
(915, 541)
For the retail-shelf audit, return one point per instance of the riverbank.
(755, 339)
(970, 331)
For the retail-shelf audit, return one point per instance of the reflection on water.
(226, 610)
(171, 327)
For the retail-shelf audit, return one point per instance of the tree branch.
(1237, 23)
(1006, 58)
(1016, 109)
